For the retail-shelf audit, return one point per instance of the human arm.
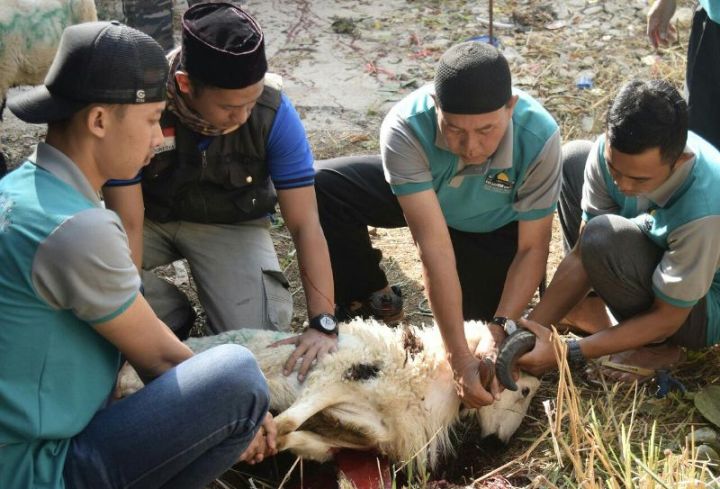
(146, 342)
(427, 225)
(299, 209)
(660, 31)
(656, 324)
(127, 202)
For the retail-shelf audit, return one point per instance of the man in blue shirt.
(71, 305)
(233, 147)
(649, 242)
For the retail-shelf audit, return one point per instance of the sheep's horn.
(514, 346)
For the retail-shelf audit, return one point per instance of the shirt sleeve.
(85, 266)
(406, 166)
(596, 198)
(687, 269)
(538, 194)
(290, 158)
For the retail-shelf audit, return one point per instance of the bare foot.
(588, 316)
(640, 364)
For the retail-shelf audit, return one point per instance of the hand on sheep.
(469, 376)
(263, 445)
(311, 345)
(541, 358)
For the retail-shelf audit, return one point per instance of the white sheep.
(29, 34)
(389, 390)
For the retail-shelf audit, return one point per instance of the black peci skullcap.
(472, 78)
(222, 46)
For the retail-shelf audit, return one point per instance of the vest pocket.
(278, 300)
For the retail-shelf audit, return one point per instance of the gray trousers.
(618, 258)
(235, 268)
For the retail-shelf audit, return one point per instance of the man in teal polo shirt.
(71, 305)
(472, 167)
(649, 242)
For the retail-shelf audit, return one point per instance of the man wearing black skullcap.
(472, 166)
(71, 305)
(234, 147)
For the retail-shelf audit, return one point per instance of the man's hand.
(311, 345)
(470, 374)
(541, 358)
(263, 445)
(487, 351)
(659, 30)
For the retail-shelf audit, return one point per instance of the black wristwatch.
(506, 324)
(575, 358)
(325, 323)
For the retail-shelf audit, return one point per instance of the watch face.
(327, 323)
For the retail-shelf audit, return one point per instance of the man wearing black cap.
(473, 168)
(71, 305)
(232, 139)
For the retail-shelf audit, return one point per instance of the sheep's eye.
(525, 391)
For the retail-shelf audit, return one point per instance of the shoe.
(382, 306)
(387, 306)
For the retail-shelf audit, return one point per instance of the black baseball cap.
(96, 62)
(223, 46)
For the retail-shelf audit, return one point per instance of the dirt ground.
(345, 62)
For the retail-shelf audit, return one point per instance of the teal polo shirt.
(682, 217)
(66, 266)
(520, 181)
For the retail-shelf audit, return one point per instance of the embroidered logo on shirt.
(168, 140)
(501, 182)
(6, 207)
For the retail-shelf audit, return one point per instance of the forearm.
(655, 325)
(445, 296)
(569, 286)
(170, 353)
(523, 277)
(315, 269)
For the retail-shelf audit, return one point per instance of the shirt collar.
(502, 159)
(662, 195)
(56, 162)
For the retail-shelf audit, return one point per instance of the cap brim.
(38, 106)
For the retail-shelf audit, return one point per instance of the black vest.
(227, 182)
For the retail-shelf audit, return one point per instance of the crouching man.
(71, 304)
(649, 242)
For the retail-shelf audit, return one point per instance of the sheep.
(29, 34)
(387, 390)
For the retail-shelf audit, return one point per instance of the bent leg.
(239, 279)
(352, 194)
(574, 156)
(180, 431)
(703, 77)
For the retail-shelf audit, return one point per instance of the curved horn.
(514, 346)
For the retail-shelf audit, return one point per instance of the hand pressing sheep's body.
(389, 390)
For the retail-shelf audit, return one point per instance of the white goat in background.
(389, 390)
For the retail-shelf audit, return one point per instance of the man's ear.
(511, 103)
(183, 82)
(97, 119)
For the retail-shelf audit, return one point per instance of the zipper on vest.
(204, 159)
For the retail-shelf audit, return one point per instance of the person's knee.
(574, 156)
(611, 234)
(238, 379)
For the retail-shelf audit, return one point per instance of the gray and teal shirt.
(66, 267)
(520, 181)
(682, 217)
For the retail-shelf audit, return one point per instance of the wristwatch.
(575, 357)
(325, 323)
(506, 324)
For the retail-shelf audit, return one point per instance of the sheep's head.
(504, 416)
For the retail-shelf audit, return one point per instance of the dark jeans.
(617, 256)
(703, 77)
(352, 194)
